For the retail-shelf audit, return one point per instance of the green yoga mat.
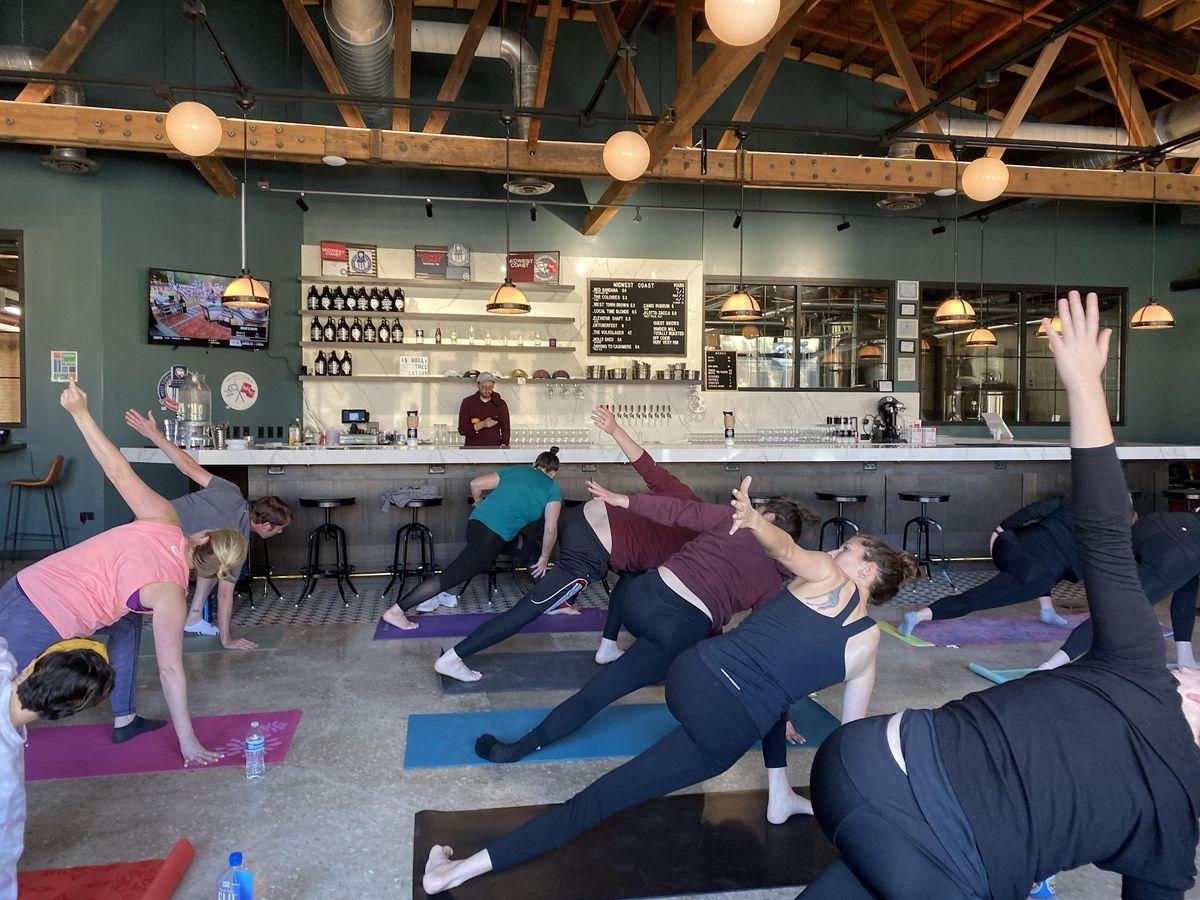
(268, 637)
(887, 628)
(999, 676)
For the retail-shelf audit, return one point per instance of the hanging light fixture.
(1055, 321)
(508, 299)
(193, 129)
(626, 154)
(985, 179)
(1153, 316)
(245, 292)
(741, 22)
(982, 336)
(870, 353)
(740, 306)
(955, 309)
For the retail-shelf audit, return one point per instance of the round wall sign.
(172, 380)
(239, 390)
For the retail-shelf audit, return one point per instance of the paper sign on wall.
(64, 365)
(414, 365)
(239, 390)
(340, 260)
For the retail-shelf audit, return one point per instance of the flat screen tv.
(185, 309)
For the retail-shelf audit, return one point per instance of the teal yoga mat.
(999, 676)
(439, 740)
(268, 637)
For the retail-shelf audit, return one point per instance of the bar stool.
(413, 530)
(925, 524)
(1189, 496)
(12, 519)
(268, 572)
(839, 523)
(341, 567)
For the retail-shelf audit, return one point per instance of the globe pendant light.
(985, 179)
(245, 292)
(982, 336)
(740, 306)
(626, 154)
(508, 299)
(1153, 316)
(955, 310)
(741, 22)
(193, 129)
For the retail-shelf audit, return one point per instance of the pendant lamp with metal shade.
(1153, 316)
(982, 336)
(740, 306)
(955, 309)
(245, 291)
(508, 299)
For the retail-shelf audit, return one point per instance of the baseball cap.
(484, 376)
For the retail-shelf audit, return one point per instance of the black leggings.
(664, 624)
(865, 804)
(581, 558)
(483, 546)
(715, 731)
(1023, 576)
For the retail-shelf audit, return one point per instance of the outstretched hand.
(143, 425)
(603, 418)
(610, 497)
(744, 513)
(73, 399)
(1081, 349)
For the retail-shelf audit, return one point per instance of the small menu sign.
(637, 318)
(720, 370)
(429, 261)
(539, 266)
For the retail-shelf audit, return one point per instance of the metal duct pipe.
(360, 34)
(71, 160)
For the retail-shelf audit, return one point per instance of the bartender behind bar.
(483, 416)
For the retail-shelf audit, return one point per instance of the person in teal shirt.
(519, 495)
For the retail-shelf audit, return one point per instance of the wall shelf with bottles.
(440, 317)
(658, 383)
(440, 284)
(423, 348)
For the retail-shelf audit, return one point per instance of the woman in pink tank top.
(106, 583)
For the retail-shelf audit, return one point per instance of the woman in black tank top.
(731, 692)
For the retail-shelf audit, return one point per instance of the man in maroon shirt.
(591, 539)
(483, 417)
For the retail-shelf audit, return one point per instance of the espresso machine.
(886, 428)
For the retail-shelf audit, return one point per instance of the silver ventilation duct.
(361, 35)
(901, 202)
(69, 160)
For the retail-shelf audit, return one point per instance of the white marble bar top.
(948, 450)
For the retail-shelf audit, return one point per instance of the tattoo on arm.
(830, 599)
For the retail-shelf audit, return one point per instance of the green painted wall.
(90, 240)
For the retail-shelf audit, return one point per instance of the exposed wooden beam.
(1186, 15)
(69, 46)
(1152, 9)
(683, 44)
(1033, 84)
(549, 38)
(914, 89)
(1073, 112)
(936, 22)
(871, 34)
(457, 73)
(631, 85)
(764, 74)
(1069, 84)
(810, 43)
(143, 132)
(402, 63)
(1125, 90)
(319, 54)
(218, 176)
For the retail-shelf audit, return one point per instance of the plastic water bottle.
(237, 882)
(256, 764)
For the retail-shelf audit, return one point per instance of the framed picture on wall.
(908, 346)
(906, 328)
(908, 309)
(906, 369)
(907, 290)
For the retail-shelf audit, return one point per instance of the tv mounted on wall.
(185, 309)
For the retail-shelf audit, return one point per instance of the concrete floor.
(337, 819)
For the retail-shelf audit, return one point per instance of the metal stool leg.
(8, 514)
(344, 564)
(824, 525)
(270, 571)
(17, 524)
(943, 559)
(312, 558)
(50, 521)
(395, 563)
(335, 534)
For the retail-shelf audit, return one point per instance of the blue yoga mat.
(439, 740)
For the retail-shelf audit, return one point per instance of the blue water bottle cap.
(235, 859)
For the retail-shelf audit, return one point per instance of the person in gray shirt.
(218, 504)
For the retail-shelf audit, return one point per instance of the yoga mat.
(462, 624)
(983, 631)
(999, 676)
(888, 628)
(150, 879)
(542, 670)
(87, 751)
(680, 844)
(438, 740)
(267, 637)
(172, 872)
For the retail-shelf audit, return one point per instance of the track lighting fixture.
(429, 209)
(737, 220)
(532, 213)
(637, 215)
(939, 228)
(843, 225)
(302, 203)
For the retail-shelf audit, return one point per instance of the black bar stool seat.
(413, 530)
(839, 523)
(341, 568)
(48, 488)
(1188, 495)
(925, 525)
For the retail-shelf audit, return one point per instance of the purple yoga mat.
(981, 631)
(86, 751)
(462, 624)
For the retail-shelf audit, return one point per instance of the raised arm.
(690, 514)
(144, 502)
(1125, 626)
(182, 460)
(810, 565)
(657, 479)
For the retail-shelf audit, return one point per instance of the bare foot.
(608, 652)
(783, 805)
(395, 617)
(565, 610)
(451, 666)
(439, 870)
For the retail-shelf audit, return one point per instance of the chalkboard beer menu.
(720, 370)
(637, 318)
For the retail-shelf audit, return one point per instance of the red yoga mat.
(150, 879)
(87, 751)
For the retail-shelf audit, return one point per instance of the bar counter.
(987, 480)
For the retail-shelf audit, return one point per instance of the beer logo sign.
(239, 390)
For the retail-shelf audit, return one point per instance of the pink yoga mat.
(982, 631)
(87, 751)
